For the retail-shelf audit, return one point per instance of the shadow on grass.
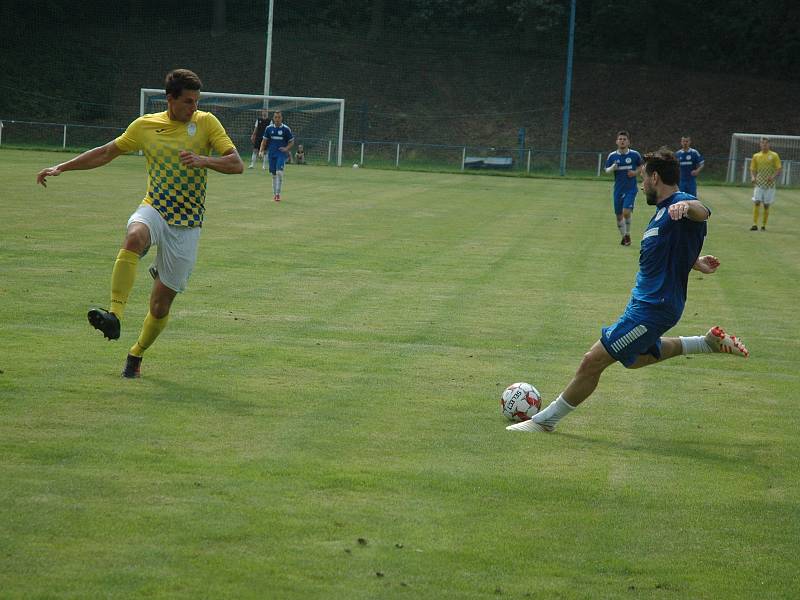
(202, 395)
(713, 451)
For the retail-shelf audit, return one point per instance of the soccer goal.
(317, 123)
(744, 145)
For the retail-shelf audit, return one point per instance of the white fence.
(387, 154)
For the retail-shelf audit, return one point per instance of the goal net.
(744, 145)
(317, 123)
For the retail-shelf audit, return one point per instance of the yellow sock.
(122, 278)
(150, 330)
(766, 216)
(755, 213)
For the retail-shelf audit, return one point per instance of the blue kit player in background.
(691, 162)
(278, 141)
(671, 248)
(624, 163)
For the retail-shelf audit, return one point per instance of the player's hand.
(284, 149)
(707, 264)
(190, 159)
(260, 154)
(633, 173)
(678, 210)
(42, 176)
(752, 180)
(693, 173)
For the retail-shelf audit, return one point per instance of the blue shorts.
(638, 331)
(276, 162)
(623, 200)
(689, 186)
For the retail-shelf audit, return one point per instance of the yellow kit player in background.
(177, 144)
(764, 170)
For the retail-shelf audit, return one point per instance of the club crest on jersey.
(191, 129)
(628, 160)
(660, 213)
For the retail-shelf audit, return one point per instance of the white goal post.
(744, 145)
(317, 123)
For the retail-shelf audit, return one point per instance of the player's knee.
(137, 239)
(590, 365)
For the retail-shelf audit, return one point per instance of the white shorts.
(177, 247)
(765, 195)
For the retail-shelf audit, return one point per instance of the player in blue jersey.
(278, 141)
(624, 162)
(691, 162)
(670, 249)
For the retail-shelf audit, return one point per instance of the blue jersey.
(626, 162)
(669, 250)
(277, 137)
(689, 160)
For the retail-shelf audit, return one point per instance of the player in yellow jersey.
(177, 144)
(764, 170)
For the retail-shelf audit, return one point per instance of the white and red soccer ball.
(520, 401)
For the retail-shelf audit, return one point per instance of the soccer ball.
(355, 165)
(520, 401)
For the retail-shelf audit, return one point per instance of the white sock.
(627, 225)
(253, 158)
(280, 181)
(551, 415)
(695, 344)
(621, 227)
(274, 184)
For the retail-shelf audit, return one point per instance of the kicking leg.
(137, 241)
(715, 341)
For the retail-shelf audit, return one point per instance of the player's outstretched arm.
(229, 163)
(706, 264)
(91, 159)
(261, 148)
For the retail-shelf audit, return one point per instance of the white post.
(268, 59)
(64, 142)
(330, 145)
(529, 161)
(341, 134)
(463, 157)
(1, 133)
(141, 109)
(745, 170)
(397, 160)
(362, 154)
(599, 162)
(731, 178)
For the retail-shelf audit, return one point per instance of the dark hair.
(625, 133)
(663, 162)
(179, 80)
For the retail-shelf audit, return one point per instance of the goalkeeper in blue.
(670, 248)
(278, 141)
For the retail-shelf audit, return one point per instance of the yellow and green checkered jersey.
(765, 166)
(176, 191)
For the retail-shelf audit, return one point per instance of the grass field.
(320, 418)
